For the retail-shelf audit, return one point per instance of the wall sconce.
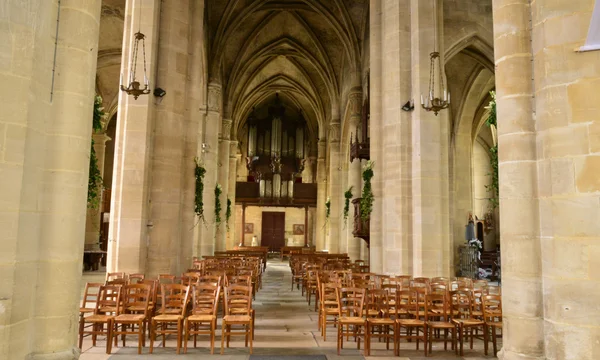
(409, 106)
(159, 92)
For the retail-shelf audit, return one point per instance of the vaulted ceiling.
(307, 50)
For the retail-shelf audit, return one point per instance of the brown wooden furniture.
(174, 300)
(350, 316)
(203, 318)
(437, 317)
(381, 326)
(461, 305)
(273, 230)
(414, 318)
(238, 312)
(492, 315)
(135, 303)
(105, 311)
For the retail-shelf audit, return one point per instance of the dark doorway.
(273, 230)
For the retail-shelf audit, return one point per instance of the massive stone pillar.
(394, 166)
(168, 150)
(321, 195)
(223, 180)
(429, 152)
(130, 214)
(93, 221)
(195, 114)
(334, 184)
(376, 121)
(354, 174)
(523, 330)
(210, 161)
(567, 94)
(44, 161)
(233, 161)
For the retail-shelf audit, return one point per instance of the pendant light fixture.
(437, 98)
(134, 88)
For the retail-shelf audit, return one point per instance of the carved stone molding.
(233, 147)
(355, 103)
(214, 97)
(226, 129)
(334, 132)
(322, 148)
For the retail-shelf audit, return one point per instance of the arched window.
(593, 38)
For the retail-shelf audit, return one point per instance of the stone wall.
(254, 216)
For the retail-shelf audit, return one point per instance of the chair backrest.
(350, 301)
(189, 278)
(378, 300)
(492, 290)
(109, 298)
(238, 300)
(174, 298)
(90, 295)
(117, 282)
(154, 288)
(136, 296)
(461, 304)
(492, 308)
(115, 275)
(205, 299)
(245, 280)
(166, 278)
(436, 304)
(438, 288)
(135, 278)
(417, 301)
(214, 280)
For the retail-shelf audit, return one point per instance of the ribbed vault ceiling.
(303, 49)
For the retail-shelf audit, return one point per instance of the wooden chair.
(312, 286)
(437, 317)
(411, 315)
(461, 312)
(492, 315)
(203, 317)
(173, 310)
(238, 312)
(378, 301)
(105, 310)
(135, 304)
(328, 307)
(166, 279)
(350, 316)
(90, 297)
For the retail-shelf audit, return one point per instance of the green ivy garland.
(199, 172)
(327, 209)
(347, 197)
(218, 192)
(95, 177)
(366, 202)
(228, 213)
(494, 187)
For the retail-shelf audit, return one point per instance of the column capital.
(322, 148)
(214, 97)
(233, 144)
(100, 138)
(334, 132)
(226, 129)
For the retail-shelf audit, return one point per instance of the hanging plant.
(327, 209)
(494, 187)
(95, 177)
(347, 198)
(228, 213)
(218, 192)
(199, 172)
(366, 202)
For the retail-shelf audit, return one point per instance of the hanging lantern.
(436, 99)
(134, 88)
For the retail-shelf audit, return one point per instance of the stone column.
(354, 174)
(233, 161)
(63, 185)
(169, 145)
(429, 154)
(210, 161)
(223, 180)
(335, 187)
(195, 113)
(129, 218)
(376, 121)
(394, 167)
(523, 330)
(93, 221)
(321, 195)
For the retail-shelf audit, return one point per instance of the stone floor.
(285, 325)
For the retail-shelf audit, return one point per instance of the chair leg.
(251, 334)
(222, 337)
(213, 329)
(494, 339)
(109, 335)
(81, 326)
(179, 326)
(152, 335)
(485, 339)
(141, 337)
(186, 335)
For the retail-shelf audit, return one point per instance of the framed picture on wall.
(248, 228)
(298, 229)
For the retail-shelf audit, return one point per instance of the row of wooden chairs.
(185, 310)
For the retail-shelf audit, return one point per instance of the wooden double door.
(273, 230)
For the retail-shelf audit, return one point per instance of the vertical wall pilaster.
(321, 180)
(233, 161)
(210, 160)
(335, 187)
(429, 153)
(129, 230)
(376, 121)
(223, 180)
(354, 174)
(92, 223)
